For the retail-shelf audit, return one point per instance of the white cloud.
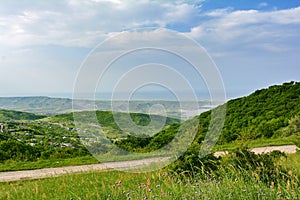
(245, 27)
(29, 31)
(85, 23)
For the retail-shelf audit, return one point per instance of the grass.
(11, 165)
(261, 142)
(155, 185)
(227, 183)
(292, 161)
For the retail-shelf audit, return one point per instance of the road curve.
(260, 150)
(59, 171)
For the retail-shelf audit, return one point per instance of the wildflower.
(272, 185)
(145, 198)
(157, 186)
(165, 174)
(192, 198)
(118, 183)
(149, 190)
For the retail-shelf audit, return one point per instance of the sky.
(43, 44)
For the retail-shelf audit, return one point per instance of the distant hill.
(38, 105)
(17, 115)
(107, 119)
(53, 106)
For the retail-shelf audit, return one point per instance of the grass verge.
(11, 165)
(237, 144)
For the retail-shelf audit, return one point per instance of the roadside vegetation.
(240, 176)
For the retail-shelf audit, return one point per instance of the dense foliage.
(262, 113)
(148, 144)
(272, 112)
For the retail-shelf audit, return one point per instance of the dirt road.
(53, 172)
(259, 150)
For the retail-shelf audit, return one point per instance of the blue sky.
(42, 44)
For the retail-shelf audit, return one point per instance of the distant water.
(153, 95)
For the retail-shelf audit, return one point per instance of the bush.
(263, 167)
(190, 163)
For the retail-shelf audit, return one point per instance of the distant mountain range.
(53, 106)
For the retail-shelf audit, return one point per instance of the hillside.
(107, 118)
(37, 105)
(53, 106)
(261, 114)
(28, 136)
(17, 115)
(268, 113)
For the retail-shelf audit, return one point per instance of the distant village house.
(1, 128)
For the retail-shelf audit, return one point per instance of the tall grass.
(231, 183)
(11, 165)
(243, 176)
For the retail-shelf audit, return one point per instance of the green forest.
(268, 113)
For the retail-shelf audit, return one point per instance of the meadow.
(227, 182)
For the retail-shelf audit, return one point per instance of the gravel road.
(259, 150)
(53, 172)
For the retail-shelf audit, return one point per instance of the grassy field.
(158, 185)
(230, 183)
(11, 165)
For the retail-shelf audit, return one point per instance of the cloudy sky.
(253, 43)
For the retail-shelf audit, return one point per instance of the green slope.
(106, 118)
(272, 113)
(261, 114)
(17, 115)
